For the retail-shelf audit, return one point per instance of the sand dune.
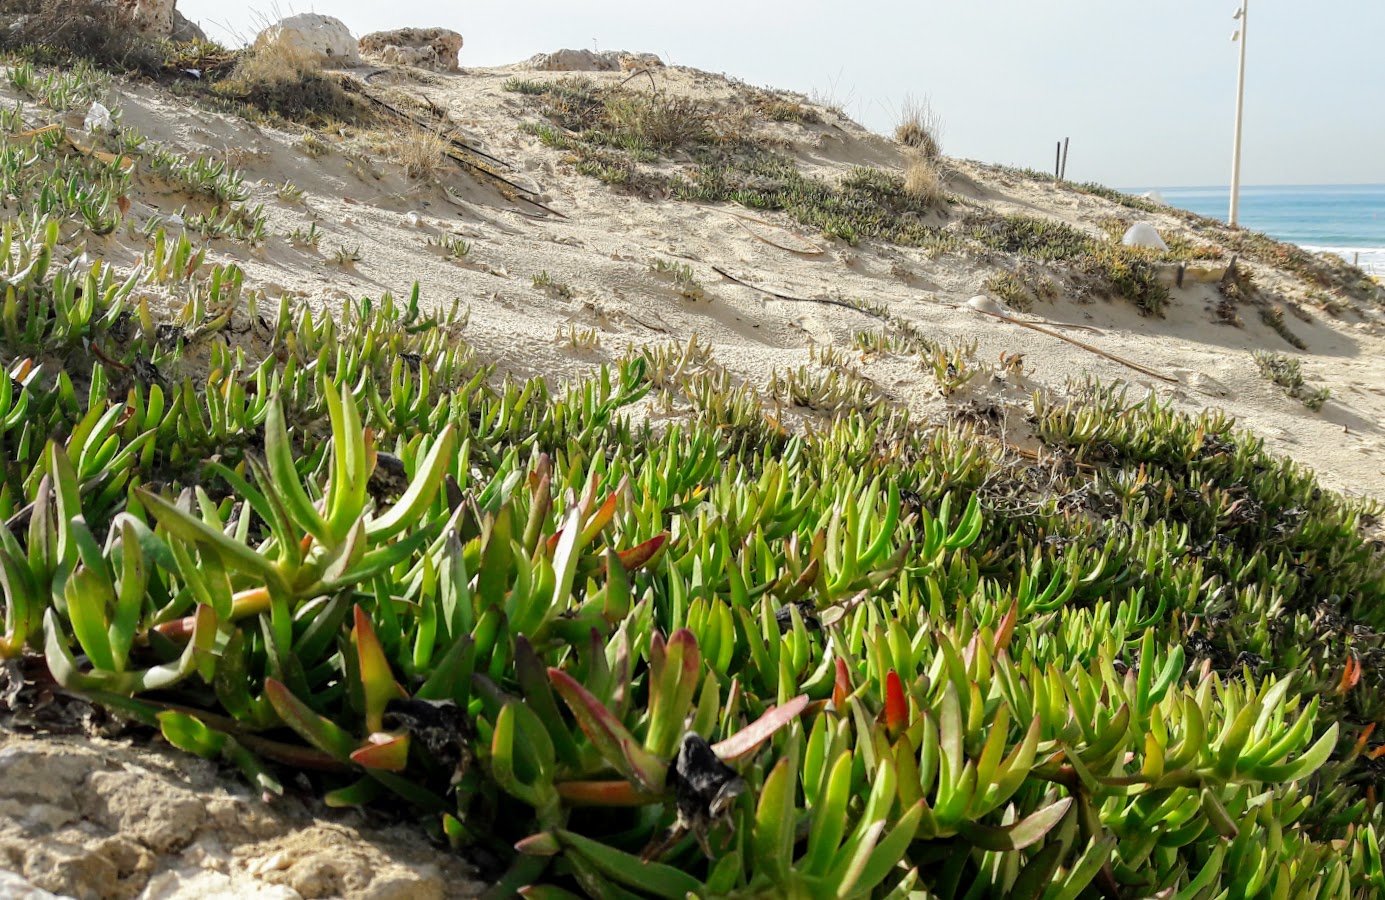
(598, 255)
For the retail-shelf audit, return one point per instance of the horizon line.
(1244, 187)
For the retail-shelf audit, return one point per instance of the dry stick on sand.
(741, 220)
(460, 144)
(1076, 343)
(778, 296)
(456, 150)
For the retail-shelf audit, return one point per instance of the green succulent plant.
(870, 659)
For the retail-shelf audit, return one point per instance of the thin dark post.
(1058, 160)
(1064, 176)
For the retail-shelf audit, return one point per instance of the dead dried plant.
(420, 151)
(923, 179)
(287, 81)
(920, 127)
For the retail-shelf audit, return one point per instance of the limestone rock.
(325, 37)
(630, 62)
(17, 888)
(150, 17)
(426, 48)
(83, 817)
(589, 61)
(185, 30)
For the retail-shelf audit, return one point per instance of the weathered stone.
(325, 37)
(185, 30)
(588, 61)
(426, 48)
(95, 819)
(17, 888)
(150, 17)
(630, 62)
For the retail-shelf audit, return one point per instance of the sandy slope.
(602, 251)
(603, 248)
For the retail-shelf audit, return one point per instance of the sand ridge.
(596, 259)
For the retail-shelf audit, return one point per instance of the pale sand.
(603, 248)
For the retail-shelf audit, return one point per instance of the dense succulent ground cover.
(872, 659)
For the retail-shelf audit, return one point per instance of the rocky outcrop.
(153, 18)
(324, 37)
(436, 49)
(589, 61)
(84, 817)
(159, 19)
(185, 30)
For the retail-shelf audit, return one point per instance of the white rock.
(587, 61)
(983, 303)
(325, 37)
(16, 888)
(426, 48)
(571, 61)
(1143, 234)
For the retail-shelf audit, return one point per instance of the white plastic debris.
(1143, 234)
(98, 118)
(414, 219)
(985, 304)
(193, 73)
(174, 219)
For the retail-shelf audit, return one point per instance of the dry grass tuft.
(422, 153)
(288, 82)
(920, 127)
(923, 180)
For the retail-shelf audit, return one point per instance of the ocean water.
(1341, 219)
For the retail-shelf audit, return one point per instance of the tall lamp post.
(1244, 17)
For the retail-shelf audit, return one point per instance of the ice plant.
(718, 659)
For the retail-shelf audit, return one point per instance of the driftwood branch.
(452, 139)
(778, 296)
(1085, 346)
(741, 220)
(461, 153)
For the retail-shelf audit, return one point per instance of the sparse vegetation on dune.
(1102, 267)
(68, 31)
(608, 133)
(866, 203)
(283, 81)
(1287, 372)
(1217, 239)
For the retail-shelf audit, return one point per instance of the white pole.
(1244, 16)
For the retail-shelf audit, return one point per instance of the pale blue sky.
(1145, 90)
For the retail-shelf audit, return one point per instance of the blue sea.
(1342, 219)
